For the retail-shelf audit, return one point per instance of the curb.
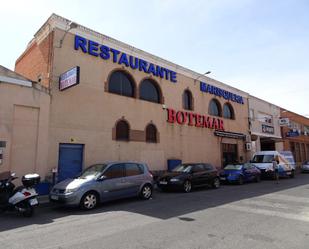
(44, 201)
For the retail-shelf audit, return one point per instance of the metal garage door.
(70, 160)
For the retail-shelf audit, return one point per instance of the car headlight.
(70, 190)
(174, 180)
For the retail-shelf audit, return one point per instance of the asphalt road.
(256, 215)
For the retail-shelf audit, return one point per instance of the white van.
(288, 155)
(264, 161)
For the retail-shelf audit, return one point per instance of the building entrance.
(267, 144)
(229, 153)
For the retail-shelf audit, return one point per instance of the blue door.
(70, 160)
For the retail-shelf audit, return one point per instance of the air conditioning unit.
(248, 146)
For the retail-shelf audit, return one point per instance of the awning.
(265, 135)
(230, 134)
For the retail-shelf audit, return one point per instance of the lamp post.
(208, 72)
(72, 25)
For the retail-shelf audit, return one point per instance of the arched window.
(187, 100)
(228, 111)
(121, 83)
(122, 130)
(149, 91)
(214, 108)
(151, 133)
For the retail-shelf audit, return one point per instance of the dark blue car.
(240, 173)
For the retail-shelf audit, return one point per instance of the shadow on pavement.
(163, 205)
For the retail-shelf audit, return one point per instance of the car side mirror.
(102, 178)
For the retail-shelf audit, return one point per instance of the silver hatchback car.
(104, 182)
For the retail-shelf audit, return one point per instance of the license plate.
(163, 183)
(33, 202)
(54, 197)
(222, 178)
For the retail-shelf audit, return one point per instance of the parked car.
(264, 161)
(189, 175)
(240, 173)
(103, 182)
(305, 167)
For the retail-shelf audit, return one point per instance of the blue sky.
(259, 46)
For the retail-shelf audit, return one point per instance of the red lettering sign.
(181, 117)
(194, 119)
(171, 115)
(191, 117)
(221, 125)
(198, 122)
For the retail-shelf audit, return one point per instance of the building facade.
(264, 125)
(24, 124)
(295, 131)
(111, 101)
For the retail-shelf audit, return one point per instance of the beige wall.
(24, 116)
(261, 107)
(87, 113)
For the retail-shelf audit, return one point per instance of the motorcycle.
(23, 198)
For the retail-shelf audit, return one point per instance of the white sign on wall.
(69, 78)
(284, 121)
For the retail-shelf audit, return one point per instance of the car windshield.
(93, 171)
(183, 168)
(263, 158)
(233, 167)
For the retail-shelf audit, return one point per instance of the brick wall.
(35, 62)
(299, 145)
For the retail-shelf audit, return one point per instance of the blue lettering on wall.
(221, 93)
(123, 59)
(115, 53)
(80, 42)
(93, 48)
(133, 62)
(151, 69)
(104, 52)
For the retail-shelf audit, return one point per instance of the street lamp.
(208, 72)
(72, 25)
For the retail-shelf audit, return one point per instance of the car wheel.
(240, 180)
(146, 192)
(292, 174)
(216, 183)
(89, 201)
(187, 186)
(258, 178)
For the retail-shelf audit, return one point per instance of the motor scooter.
(23, 198)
